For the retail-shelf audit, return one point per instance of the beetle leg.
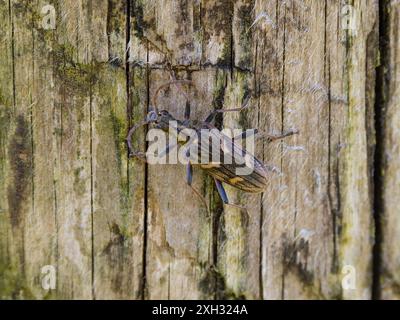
(221, 191)
(213, 113)
(142, 156)
(189, 174)
(210, 117)
(189, 179)
(224, 197)
(272, 137)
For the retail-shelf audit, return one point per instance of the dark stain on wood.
(20, 155)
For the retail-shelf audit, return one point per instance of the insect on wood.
(254, 173)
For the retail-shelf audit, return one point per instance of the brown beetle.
(255, 178)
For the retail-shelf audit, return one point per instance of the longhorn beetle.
(255, 182)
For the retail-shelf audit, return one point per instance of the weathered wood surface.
(113, 227)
